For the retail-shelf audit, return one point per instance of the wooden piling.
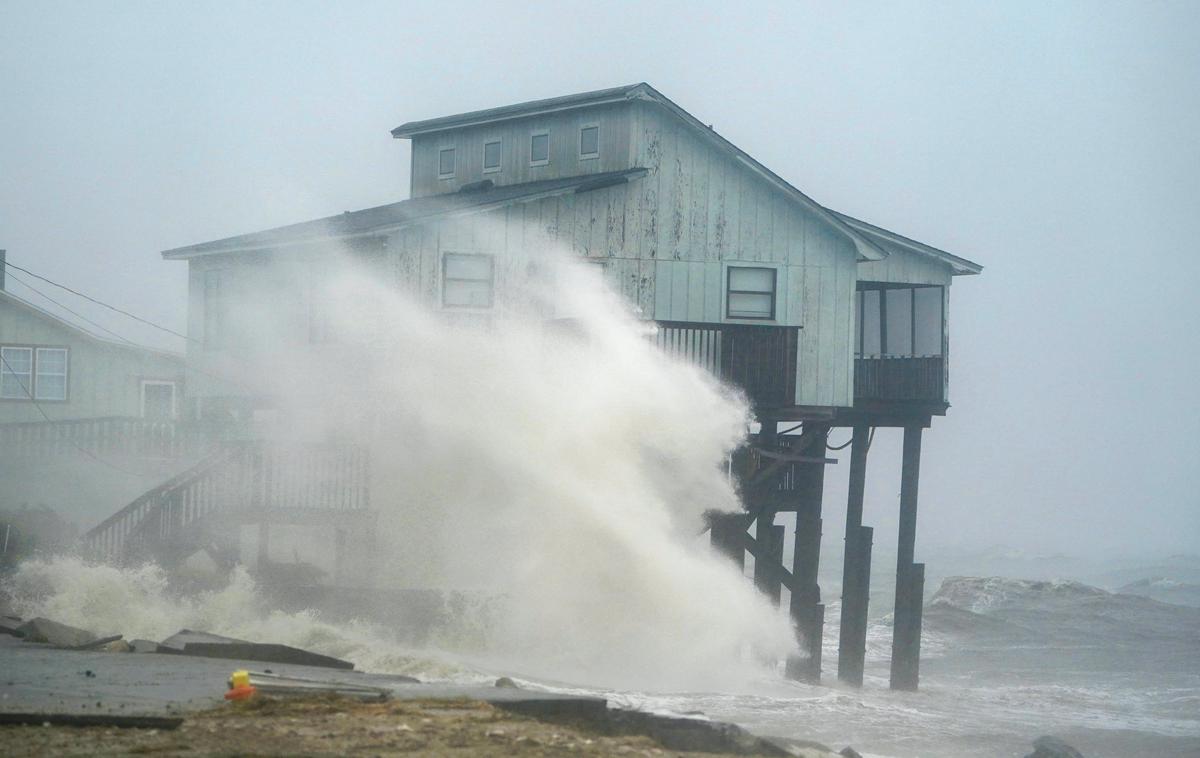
(770, 556)
(727, 533)
(856, 568)
(808, 614)
(910, 577)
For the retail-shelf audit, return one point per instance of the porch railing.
(106, 435)
(761, 360)
(900, 379)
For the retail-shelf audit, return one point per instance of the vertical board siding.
(905, 267)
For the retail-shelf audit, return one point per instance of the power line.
(100, 303)
(79, 316)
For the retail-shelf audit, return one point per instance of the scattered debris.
(247, 683)
(143, 646)
(10, 625)
(115, 646)
(849, 752)
(504, 681)
(100, 644)
(53, 633)
(189, 642)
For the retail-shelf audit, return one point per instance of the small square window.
(467, 281)
(491, 156)
(539, 149)
(589, 142)
(750, 293)
(446, 163)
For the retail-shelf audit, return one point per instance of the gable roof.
(45, 315)
(958, 266)
(481, 196)
(866, 247)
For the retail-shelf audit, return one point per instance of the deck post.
(856, 567)
(808, 614)
(910, 577)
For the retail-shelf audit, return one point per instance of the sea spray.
(542, 451)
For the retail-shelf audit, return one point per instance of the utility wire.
(77, 315)
(100, 303)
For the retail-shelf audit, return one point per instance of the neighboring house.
(823, 319)
(86, 423)
(51, 369)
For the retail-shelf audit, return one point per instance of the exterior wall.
(702, 206)
(102, 379)
(904, 267)
(514, 137)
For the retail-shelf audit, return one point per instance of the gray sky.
(1056, 143)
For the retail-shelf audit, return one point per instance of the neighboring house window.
(214, 309)
(589, 142)
(467, 281)
(491, 157)
(539, 149)
(29, 373)
(158, 400)
(750, 293)
(446, 163)
(16, 373)
(899, 321)
(51, 370)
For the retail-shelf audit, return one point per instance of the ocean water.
(1004, 661)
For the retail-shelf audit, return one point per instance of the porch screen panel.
(898, 309)
(869, 326)
(927, 321)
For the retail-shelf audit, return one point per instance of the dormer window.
(539, 148)
(491, 156)
(589, 142)
(446, 163)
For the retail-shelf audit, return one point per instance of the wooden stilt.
(766, 564)
(910, 577)
(808, 614)
(856, 568)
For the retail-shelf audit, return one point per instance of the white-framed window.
(492, 154)
(446, 163)
(750, 292)
(16, 373)
(50, 382)
(539, 148)
(33, 373)
(467, 280)
(589, 141)
(159, 399)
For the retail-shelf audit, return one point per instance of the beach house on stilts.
(822, 319)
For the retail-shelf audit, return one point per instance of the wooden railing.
(900, 379)
(245, 478)
(107, 435)
(759, 359)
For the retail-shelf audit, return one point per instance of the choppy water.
(1005, 661)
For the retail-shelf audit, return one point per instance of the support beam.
(728, 535)
(910, 577)
(856, 568)
(769, 557)
(808, 614)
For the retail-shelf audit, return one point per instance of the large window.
(29, 373)
(467, 281)
(899, 321)
(215, 308)
(750, 293)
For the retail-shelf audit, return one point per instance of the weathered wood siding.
(701, 209)
(514, 137)
(904, 267)
(102, 379)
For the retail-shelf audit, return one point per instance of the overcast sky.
(1058, 144)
